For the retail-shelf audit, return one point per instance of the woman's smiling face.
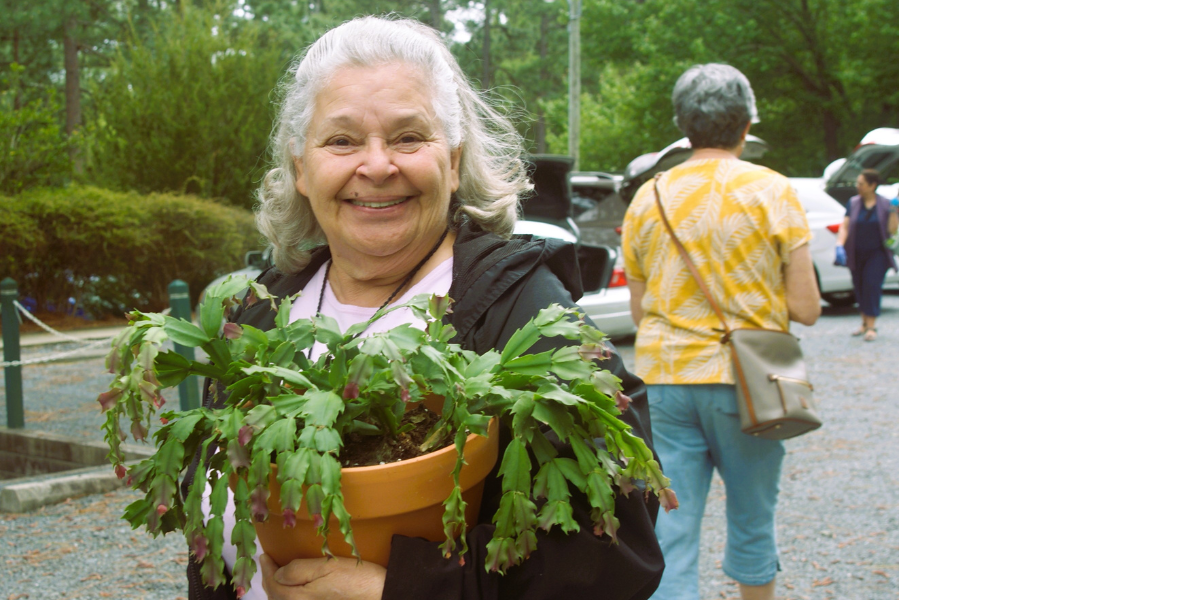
(376, 167)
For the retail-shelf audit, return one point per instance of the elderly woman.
(745, 230)
(862, 242)
(392, 178)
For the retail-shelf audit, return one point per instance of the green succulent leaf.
(284, 315)
(289, 375)
(301, 333)
(515, 467)
(283, 354)
(321, 439)
(556, 416)
(321, 408)
(183, 426)
(169, 457)
(279, 437)
(171, 368)
(289, 405)
(327, 330)
(185, 333)
(568, 365)
(261, 416)
(531, 364)
(485, 363)
(521, 340)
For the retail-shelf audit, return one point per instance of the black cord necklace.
(403, 284)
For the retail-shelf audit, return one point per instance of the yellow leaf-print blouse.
(739, 222)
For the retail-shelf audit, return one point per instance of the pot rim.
(416, 459)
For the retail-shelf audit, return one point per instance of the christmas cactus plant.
(285, 410)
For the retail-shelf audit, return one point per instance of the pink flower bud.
(439, 305)
(289, 517)
(231, 331)
(129, 481)
(241, 591)
(120, 471)
(239, 456)
(199, 547)
(110, 361)
(351, 391)
(108, 399)
(667, 497)
(623, 401)
(162, 509)
(594, 352)
(159, 401)
(163, 420)
(258, 504)
(244, 434)
(626, 485)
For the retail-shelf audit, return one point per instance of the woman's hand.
(341, 578)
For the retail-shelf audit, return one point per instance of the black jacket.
(498, 286)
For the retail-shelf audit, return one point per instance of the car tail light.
(618, 278)
(834, 228)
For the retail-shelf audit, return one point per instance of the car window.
(893, 173)
(880, 158)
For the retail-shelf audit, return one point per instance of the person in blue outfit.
(862, 245)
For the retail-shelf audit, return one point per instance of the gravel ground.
(838, 518)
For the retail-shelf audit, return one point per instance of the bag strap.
(687, 260)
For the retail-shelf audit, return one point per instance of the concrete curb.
(56, 468)
(31, 493)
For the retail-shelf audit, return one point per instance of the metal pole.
(573, 116)
(14, 402)
(181, 308)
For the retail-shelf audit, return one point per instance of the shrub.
(115, 251)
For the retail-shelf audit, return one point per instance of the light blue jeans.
(696, 428)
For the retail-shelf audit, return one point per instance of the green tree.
(188, 108)
(35, 150)
(824, 72)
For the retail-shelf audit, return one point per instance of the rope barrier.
(87, 344)
(54, 357)
(49, 329)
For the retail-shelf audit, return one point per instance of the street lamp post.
(573, 117)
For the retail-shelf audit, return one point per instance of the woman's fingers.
(342, 578)
(302, 571)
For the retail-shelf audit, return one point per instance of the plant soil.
(361, 450)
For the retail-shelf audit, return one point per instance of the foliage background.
(176, 96)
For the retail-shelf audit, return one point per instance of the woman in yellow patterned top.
(745, 230)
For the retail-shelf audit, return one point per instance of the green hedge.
(113, 251)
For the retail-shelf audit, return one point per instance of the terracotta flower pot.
(398, 498)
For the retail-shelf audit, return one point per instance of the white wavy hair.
(491, 173)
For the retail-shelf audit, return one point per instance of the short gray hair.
(491, 173)
(713, 104)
